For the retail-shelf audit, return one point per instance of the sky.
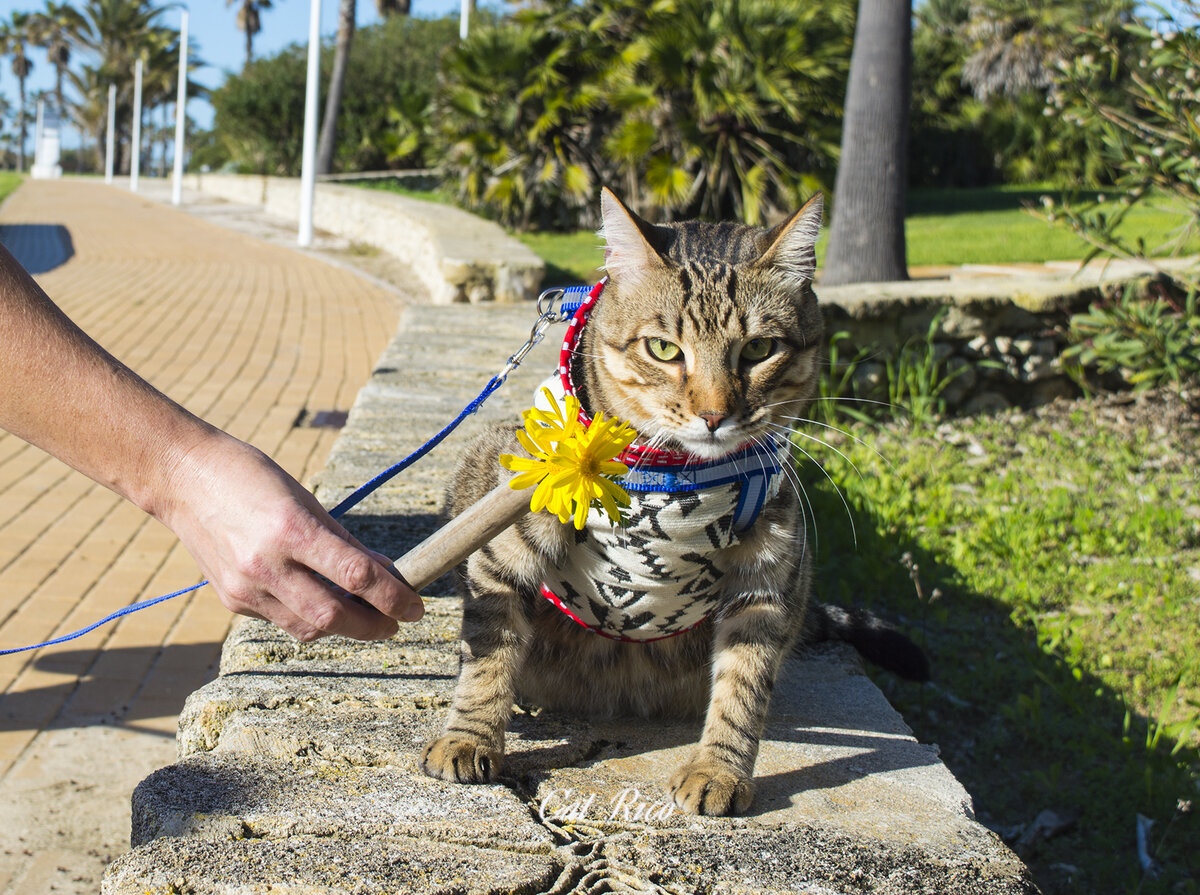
(214, 36)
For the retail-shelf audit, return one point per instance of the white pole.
(308, 164)
(180, 111)
(37, 139)
(110, 144)
(464, 19)
(135, 162)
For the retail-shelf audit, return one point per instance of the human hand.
(265, 543)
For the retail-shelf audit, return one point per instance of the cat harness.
(658, 574)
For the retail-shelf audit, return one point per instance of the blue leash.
(547, 316)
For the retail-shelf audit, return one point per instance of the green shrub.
(721, 109)
(1150, 341)
(384, 120)
(1151, 137)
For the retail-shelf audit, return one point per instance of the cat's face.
(706, 336)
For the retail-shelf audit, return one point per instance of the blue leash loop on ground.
(547, 315)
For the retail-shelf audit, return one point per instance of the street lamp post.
(135, 162)
(180, 111)
(111, 141)
(308, 176)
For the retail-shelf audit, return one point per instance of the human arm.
(257, 535)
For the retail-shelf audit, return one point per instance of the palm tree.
(15, 37)
(112, 35)
(866, 241)
(1016, 45)
(249, 21)
(337, 86)
(54, 29)
(389, 8)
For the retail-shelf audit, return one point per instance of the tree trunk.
(337, 85)
(866, 240)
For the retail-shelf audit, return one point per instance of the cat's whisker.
(850, 435)
(826, 444)
(841, 496)
(793, 479)
(887, 404)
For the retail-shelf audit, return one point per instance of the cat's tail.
(876, 641)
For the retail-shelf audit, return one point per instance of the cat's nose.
(711, 419)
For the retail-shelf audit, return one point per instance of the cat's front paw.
(461, 760)
(711, 788)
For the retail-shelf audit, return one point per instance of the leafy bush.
(981, 80)
(384, 121)
(1151, 138)
(259, 114)
(520, 119)
(1154, 341)
(723, 109)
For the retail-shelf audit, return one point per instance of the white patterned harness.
(658, 575)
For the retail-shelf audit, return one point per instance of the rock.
(980, 346)
(1049, 390)
(986, 403)
(962, 381)
(869, 380)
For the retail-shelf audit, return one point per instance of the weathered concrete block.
(324, 865)
(299, 771)
(459, 257)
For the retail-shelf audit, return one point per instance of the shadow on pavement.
(39, 248)
(118, 686)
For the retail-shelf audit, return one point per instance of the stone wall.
(457, 256)
(998, 341)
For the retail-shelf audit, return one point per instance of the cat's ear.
(791, 247)
(627, 252)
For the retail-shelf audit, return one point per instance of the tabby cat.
(706, 339)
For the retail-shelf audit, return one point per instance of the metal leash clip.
(552, 308)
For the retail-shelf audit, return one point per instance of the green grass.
(944, 227)
(9, 181)
(1065, 635)
(992, 226)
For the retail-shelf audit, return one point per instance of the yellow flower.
(571, 464)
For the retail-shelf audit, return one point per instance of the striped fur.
(710, 289)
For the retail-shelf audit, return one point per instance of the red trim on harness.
(557, 601)
(636, 454)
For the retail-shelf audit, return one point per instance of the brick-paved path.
(245, 334)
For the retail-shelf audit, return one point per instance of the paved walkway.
(248, 335)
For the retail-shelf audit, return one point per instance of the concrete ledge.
(298, 773)
(458, 256)
(1000, 335)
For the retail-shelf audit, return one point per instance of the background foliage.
(723, 109)
(385, 119)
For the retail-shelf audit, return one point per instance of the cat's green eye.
(663, 350)
(757, 349)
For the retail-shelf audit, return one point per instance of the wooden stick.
(462, 536)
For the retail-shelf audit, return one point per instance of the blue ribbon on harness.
(755, 468)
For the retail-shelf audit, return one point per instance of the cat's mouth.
(699, 441)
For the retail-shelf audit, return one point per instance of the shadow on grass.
(556, 276)
(1020, 728)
